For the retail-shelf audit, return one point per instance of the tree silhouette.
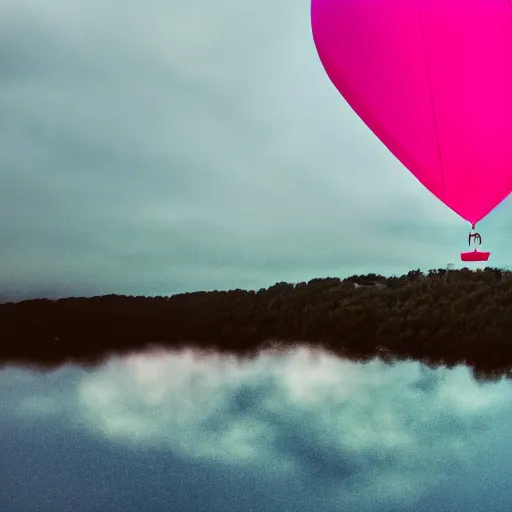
(443, 317)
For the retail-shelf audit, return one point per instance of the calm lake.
(296, 431)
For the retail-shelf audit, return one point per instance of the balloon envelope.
(433, 80)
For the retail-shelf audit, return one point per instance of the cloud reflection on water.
(371, 436)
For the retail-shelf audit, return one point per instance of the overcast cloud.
(158, 147)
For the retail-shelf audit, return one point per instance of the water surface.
(296, 431)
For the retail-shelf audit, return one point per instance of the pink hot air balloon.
(433, 80)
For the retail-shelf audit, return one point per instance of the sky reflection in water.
(294, 431)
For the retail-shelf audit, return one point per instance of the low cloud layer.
(171, 146)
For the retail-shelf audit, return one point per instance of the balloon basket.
(474, 256)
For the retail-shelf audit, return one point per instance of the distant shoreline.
(444, 317)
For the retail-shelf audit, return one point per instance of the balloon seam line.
(429, 79)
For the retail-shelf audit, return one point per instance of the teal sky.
(160, 147)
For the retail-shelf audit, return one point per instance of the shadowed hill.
(443, 317)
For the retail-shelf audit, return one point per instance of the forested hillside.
(443, 317)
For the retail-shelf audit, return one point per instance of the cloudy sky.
(159, 147)
(295, 432)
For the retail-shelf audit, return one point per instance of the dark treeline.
(445, 317)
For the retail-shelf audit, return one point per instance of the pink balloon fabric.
(433, 80)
